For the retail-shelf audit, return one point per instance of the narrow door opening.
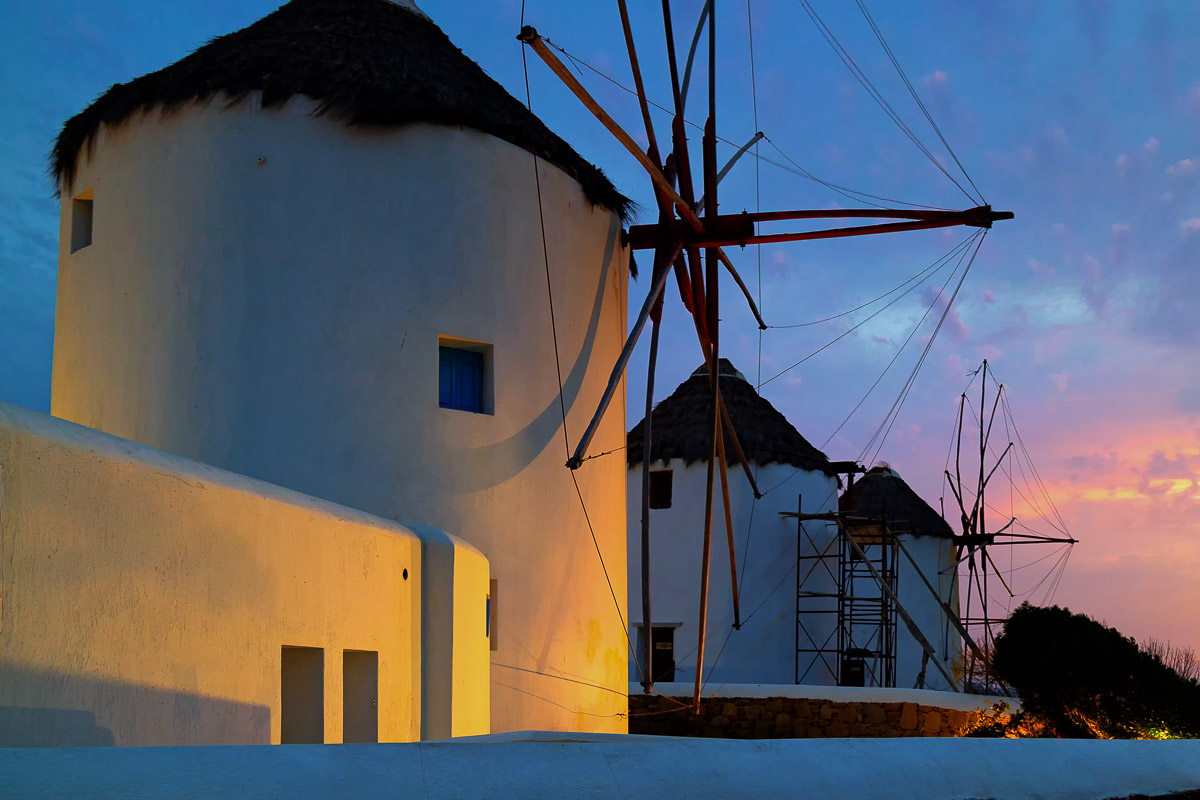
(302, 695)
(360, 696)
(662, 640)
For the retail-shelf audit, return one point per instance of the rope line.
(912, 90)
(794, 169)
(558, 369)
(832, 40)
(936, 267)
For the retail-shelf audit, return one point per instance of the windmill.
(974, 540)
(687, 227)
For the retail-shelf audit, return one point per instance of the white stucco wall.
(936, 559)
(546, 765)
(264, 292)
(145, 598)
(764, 649)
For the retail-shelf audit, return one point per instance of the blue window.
(460, 379)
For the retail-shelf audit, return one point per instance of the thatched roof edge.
(354, 58)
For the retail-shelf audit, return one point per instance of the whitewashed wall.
(935, 556)
(265, 291)
(764, 649)
(145, 599)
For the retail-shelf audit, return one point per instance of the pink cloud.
(1122, 162)
(1190, 226)
(988, 296)
(936, 80)
(1151, 146)
(1185, 167)
(1060, 381)
(1121, 227)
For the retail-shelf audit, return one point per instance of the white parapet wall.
(956, 701)
(547, 765)
(146, 599)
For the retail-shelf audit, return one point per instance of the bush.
(1082, 679)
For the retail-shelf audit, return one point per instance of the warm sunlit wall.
(264, 292)
(145, 598)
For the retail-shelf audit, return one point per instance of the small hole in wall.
(406, 573)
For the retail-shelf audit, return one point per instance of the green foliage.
(1084, 680)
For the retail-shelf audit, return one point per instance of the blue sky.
(1081, 117)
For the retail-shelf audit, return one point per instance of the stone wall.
(789, 718)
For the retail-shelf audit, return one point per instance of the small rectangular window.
(464, 375)
(302, 695)
(360, 696)
(491, 615)
(660, 488)
(81, 221)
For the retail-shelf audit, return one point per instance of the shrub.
(1083, 679)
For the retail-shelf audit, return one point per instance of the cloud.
(1151, 146)
(1121, 227)
(1185, 167)
(988, 296)
(1122, 162)
(1060, 381)
(936, 80)
(1188, 227)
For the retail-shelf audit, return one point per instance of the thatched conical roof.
(367, 62)
(681, 426)
(882, 490)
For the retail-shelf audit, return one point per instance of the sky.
(1083, 118)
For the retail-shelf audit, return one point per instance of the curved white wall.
(264, 292)
(764, 649)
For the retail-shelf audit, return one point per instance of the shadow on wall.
(50, 709)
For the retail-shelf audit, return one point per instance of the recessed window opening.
(465, 375)
(492, 615)
(360, 696)
(302, 695)
(81, 220)
(660, 488)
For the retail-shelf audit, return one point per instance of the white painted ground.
(556, 765)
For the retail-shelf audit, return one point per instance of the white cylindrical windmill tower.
(769, 647)
(312, 252)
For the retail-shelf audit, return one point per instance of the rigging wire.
(940, 264)
(795, 169)
(863, 305)
(928, 347)
(911, 334)
(912, 90)
(558, 368)
(832, 40)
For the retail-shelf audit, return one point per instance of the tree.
(1086, 680)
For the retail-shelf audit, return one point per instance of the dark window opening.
(464, 376)
(662, 640)
(302, 695)
(360, 696)
(492, 615)
(81, 221)
(660, 488)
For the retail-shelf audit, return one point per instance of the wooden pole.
(904, 615)
(614, 379)
(733, 580)
(530, 37)
(647, 619)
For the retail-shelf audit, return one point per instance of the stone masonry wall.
(788, 718)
